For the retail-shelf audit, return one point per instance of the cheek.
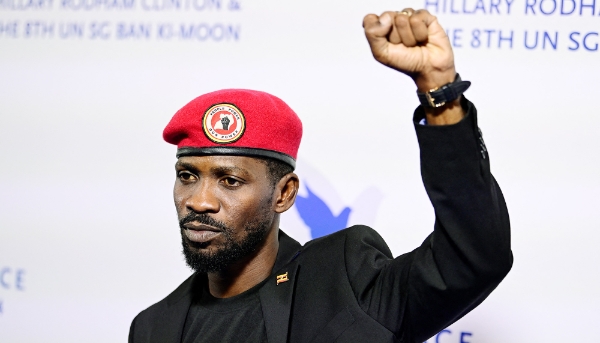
(240, 212)
(178, 198)
(235, 213)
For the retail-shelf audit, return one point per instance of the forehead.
(239, 164)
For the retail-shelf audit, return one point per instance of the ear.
(286, 190)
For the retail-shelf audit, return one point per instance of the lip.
(200, 233)
(200, 236)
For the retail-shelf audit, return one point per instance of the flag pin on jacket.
(282, 278)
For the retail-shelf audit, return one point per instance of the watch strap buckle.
(438, 97)
(431, 99)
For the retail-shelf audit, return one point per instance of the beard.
(231, 251)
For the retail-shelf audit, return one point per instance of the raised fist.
(414, 43)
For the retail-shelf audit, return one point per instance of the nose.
(202, 198)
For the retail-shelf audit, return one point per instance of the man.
(253, 283)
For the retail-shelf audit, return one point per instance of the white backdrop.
(88, 231)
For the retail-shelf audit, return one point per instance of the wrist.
(434, 79)
(438, 97)
(451, 113)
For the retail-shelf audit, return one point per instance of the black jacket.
(346, 287)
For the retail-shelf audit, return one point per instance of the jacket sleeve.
(131, 337)
(420, 293)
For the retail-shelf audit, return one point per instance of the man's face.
(225, 208)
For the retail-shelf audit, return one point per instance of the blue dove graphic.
(318, 217)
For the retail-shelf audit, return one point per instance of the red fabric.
(270, 123)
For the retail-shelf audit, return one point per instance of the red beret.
(237, 122)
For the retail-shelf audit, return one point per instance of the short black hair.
(276, 169)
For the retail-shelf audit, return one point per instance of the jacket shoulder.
(354, 239)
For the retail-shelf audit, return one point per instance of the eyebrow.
(186, 165)
(221, 170)
(228, 170)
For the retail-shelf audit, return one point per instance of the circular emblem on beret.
(223, 123)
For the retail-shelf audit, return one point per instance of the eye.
(231, 182)
(186, 177)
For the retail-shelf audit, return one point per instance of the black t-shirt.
(235, 319)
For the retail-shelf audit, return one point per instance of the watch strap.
(438, 97)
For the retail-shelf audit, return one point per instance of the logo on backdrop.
(320, 210)
(11, 279)
(223, 123)
(447, 336)
(318, 216)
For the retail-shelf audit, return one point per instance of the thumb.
(376, 30)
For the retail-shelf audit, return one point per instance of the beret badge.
(223, 123)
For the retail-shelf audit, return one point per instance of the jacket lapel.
(277, 294)
(174, 316)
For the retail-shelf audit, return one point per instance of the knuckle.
(402, 21)
(368, 20)
(370, 31)
(414, 20)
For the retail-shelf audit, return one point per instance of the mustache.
(202, 218)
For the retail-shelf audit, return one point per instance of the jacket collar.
(289, 249)
(275, 298)
(276, 294)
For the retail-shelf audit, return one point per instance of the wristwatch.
(438, 97)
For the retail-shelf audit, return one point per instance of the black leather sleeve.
(420, 293)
